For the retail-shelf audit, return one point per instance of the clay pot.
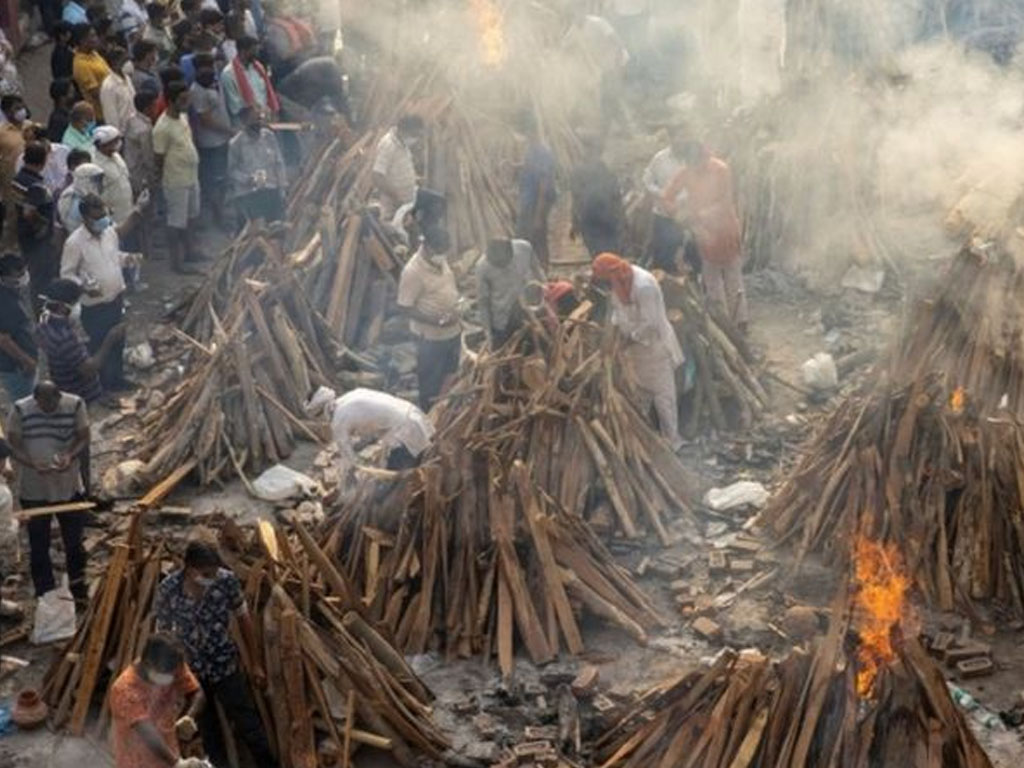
(30, 711)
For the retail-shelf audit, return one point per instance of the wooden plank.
(157, 493)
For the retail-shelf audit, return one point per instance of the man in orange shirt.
(701, 196)
(146, 704)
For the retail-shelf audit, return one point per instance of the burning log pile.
(334, 683)
(932, 464)
(492, 530)
(860, 698)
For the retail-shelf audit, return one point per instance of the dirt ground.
(789, 324)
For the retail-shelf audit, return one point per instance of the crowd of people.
(162, 124)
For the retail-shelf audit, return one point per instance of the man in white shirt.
(429, 297)
(93, 258)
(652, 348)
(117, 182)
(117, 94)
(403, 429)
(394, 172)
(667, 237)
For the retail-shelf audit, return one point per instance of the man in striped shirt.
(48, 433)
(62, 342)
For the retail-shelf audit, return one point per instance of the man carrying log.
(146, 705)
(701, 196)
(49, 434)
(403, 429)
(652, 349)
(394, 171)
(197, 604)
(429, 297)
(501, 277)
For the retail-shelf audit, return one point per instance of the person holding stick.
(146, 705)
(198, 604)
(652, 349)
(49, 433)
(501, 277)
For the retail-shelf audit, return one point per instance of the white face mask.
(160, 680)
(204, 582)
(76, 312)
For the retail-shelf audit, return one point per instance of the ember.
(490, 22)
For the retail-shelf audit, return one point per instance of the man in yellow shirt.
(89, 68)
(178, 167)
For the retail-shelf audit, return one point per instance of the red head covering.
(617, 271)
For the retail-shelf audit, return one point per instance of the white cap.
(105, 134)
(87, 171)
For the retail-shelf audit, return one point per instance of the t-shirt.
(65, 351)
(206, 100)
(172, 138)
(133, 700)
(499, 289)
(90, 70)
(43, 435)
(431, 290)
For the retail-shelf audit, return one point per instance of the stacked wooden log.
(334, 682)
(726, 393)
(804, 710)
(493, 529)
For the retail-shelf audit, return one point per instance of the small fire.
(880, 605)
(957, 400)
(491, 23)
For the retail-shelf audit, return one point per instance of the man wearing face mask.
(79, 132)
(117, 94)
(93, 258)
(86, 179)
(48, 432)
(70, 366)
(117, 183)
(150, 703)
(89, 68)
(256, 171)
(394, 171)
(212, 132)
(197, 605)
(429, 297)
(35, 219)
(18, 352)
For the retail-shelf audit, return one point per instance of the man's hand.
(61, 461)
(186, 728)
(28, 365)
(89, 368)
(118, 332)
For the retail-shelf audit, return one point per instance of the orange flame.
(880, 604)
(957, 400)
(491, 24)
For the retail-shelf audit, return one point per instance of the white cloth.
(117, 99)
(117, 185)
(368, 413)
(393, 160)
(654, 350)
(96, 262)
(86, 179)
(659, 174)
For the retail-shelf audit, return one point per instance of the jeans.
(72, 526)
(233, 695)
(98, 320)
(435, 362)
(17, 383)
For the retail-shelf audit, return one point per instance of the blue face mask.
(99, 225)
(90, 128)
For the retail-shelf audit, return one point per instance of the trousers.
(72, 528)
(233, 695)
(98, 320)
(656, 380)
(723, 284)
(435, 362)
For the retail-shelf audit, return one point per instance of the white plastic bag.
(820, 372)
(280, 482)
(737, 495)
(55, 616)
